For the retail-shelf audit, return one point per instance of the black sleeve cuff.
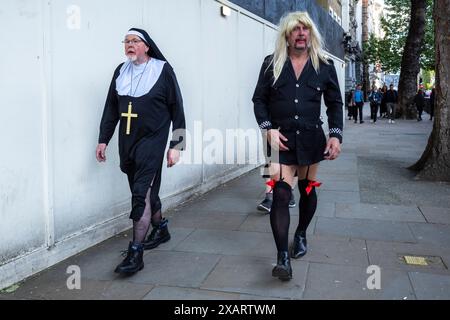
(177, 145)
(336, 133)
(267, 125)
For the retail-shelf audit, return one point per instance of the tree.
(408, 43)
(410, 67)
(394, 23)
(435, 161)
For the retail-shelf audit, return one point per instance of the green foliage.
(395, 24)
(428, 79)
(427, 58)
(10, 289)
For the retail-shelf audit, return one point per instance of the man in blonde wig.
(287, 103)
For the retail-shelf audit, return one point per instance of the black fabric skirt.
(306, 147)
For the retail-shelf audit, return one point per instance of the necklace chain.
(131, 86)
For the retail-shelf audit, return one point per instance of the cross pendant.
(129, 115)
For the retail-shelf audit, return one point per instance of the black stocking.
(140, 227)
(307, 205)
(156, 218)
(279, 214)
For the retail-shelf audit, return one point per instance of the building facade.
(352, 24)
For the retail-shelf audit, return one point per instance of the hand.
(333, 148)
(173, 156)
(275, 137)
(100, 153)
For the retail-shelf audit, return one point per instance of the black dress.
(142, 149)
(293, 106)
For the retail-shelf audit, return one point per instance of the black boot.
(283, 268)
(133, 262)
(299, 247)
(159, 234)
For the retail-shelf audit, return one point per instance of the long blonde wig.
(315, 45)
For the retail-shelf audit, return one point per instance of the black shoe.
(292, 201)
(134, 260)
(266, 204)
(361, 121)
(159, 234)
(299, 247)
(283, 270)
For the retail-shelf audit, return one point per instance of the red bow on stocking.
(312, 184)
(271, 183)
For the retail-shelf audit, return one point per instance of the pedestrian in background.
(419, 101)
(358, 97)
(375, 97)
(350, 104)
(391, 102)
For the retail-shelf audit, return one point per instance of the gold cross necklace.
(129, 114)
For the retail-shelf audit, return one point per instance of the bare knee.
(285, 173)
(311, 174)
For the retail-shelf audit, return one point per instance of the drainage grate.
(420, 261)
(434, 262)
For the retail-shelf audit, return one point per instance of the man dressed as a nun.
(145, 99)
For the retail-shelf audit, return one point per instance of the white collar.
(150, 72)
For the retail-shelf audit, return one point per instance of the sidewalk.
(371, 212)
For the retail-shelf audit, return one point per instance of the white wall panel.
(22, 226)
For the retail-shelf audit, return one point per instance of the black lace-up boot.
(283, 268)
(133, 261)
(159, 234)
(299, 247)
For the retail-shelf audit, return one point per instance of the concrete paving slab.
(336, 251)
(253, 276)
(326, 281)
(257, 244)
(333, 185)
(99, 262)
(179, 293)
(326, 177)
(338, 196)
(436, 234)
(379, 212)
(177, 236)
(430, 286)
(183, 269)
(41, 285)
(220, 204)
(258, 223)
(398, 185)
(436, 214)
(365, 229)
(325, 209)
(389, 255)
(223, 221)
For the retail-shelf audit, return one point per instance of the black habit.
(142, 149)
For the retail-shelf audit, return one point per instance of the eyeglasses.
(134, 41)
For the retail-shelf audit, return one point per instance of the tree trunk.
(435, 161)
(407, 86)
